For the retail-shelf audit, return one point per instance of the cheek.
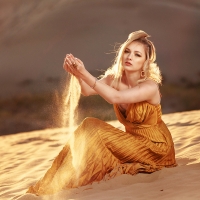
(141, 61)
(123, 57)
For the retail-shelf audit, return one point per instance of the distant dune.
(26, 156)
(36, 35)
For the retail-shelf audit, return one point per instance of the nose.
(129, 56)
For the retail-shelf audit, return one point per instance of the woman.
(131, 85)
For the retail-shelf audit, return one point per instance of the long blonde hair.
(150, 68)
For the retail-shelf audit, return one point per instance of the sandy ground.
(26, 156)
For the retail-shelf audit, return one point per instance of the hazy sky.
(35, 35)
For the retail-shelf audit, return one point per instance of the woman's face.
(134, 57)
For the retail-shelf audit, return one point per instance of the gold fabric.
(100, 151)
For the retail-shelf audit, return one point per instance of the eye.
(138, 55)
(126, 51)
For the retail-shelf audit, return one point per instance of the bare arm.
(143, 92)
(87, 90)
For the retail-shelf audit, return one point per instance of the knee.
(91, 122)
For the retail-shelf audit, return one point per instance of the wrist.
(95, 82)
(80, 80)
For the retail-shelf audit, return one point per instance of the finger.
(74, 63)
(69, 61)
(71, 55)
(71, 73)
(66, 65)
(66, 59)
(73, 60)
(67, 56)
(72, 68)
(79, 61)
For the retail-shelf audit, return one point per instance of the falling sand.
(71, 99)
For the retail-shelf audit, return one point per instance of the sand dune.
(26, 156)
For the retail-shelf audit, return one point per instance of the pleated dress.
(98, 151)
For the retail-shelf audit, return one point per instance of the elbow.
(85, 94)
(113, 100)
(110, 102)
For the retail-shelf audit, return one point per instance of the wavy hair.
(150, 68)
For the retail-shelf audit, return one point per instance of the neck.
(132, 78)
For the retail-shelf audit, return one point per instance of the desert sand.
(26, 156)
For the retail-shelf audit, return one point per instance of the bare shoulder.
(107, 79)
(151, 89)
(150, 85)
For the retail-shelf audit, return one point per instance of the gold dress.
(99, 151)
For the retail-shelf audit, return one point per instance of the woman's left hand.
(73, 65)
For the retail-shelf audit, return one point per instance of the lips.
(128, 63)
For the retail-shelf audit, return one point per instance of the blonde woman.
(146, 145)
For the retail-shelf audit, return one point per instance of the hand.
(73, 65)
